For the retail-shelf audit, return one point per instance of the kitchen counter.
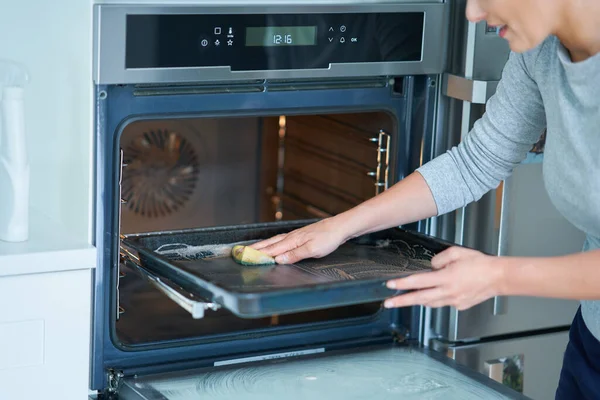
(50, 248)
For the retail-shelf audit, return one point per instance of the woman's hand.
(462, 279)
(312, 241)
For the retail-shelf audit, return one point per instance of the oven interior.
(201, 172)
(188, 173)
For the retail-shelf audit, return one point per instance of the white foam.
(391, 374)
(189, 252)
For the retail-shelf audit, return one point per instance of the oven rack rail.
(189, 302)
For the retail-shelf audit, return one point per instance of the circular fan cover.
(161, 173)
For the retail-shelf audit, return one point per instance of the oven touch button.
(203, 43)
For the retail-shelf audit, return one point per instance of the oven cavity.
(197, 172)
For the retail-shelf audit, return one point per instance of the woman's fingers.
(421, 280)
(418, 297)
(268, 242)
(312, 241)
(287, 244)
(295, 255)
(449, 256)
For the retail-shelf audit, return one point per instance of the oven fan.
(160, 175)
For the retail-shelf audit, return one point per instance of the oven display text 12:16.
(282, 39)
(281, 36)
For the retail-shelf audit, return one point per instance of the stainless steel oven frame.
(110, 25)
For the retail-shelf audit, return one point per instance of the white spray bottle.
(14, 165)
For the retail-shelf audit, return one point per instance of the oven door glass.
(389, 372)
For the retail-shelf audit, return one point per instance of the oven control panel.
(271, 41)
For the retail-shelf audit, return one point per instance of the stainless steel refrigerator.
(519, 341)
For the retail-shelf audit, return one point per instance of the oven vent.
(161, 174)
(253, 86)
(281, 85)
(256, 86)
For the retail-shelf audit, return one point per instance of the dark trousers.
(580, 375)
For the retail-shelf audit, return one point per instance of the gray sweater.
(540, 89)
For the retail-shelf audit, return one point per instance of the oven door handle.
(465, 89)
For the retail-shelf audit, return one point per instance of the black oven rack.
(198, 261)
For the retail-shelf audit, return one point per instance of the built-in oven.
(217, 126)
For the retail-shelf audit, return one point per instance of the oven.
(218, 125)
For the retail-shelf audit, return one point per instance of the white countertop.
(50, 248)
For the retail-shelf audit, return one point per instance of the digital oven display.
(260, 42)
(281, 36)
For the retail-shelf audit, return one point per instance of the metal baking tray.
(199, 261)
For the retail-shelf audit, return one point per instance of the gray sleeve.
(514, 120)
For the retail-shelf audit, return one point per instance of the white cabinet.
(45, 335)
(46, 282)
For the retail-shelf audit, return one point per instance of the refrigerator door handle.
(465, 89)
(499, 306)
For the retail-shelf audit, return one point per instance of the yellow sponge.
(248, 256)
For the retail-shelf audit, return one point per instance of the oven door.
(388, 372)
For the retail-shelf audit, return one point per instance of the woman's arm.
(574, 276)
(407, 201)
(513, 122)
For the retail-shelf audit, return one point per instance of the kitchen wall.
(53, 39)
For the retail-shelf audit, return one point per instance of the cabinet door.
(45, 335)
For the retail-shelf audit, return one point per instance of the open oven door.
(388, 372)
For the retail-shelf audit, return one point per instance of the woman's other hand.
(312, 241)
(461, 278)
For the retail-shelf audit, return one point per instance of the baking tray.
(199, 261)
